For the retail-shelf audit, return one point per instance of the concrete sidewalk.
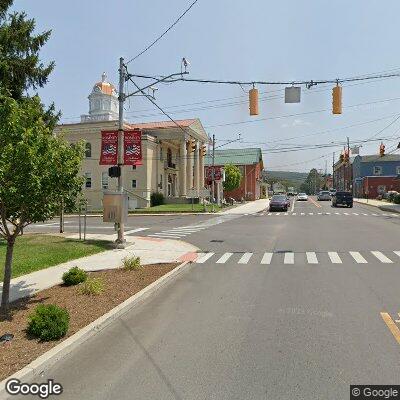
(381, 204)
(251, 207)
(150, 251)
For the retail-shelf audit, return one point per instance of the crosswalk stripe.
(245, 258)
(384, 215)
(278, 213)
(286, 214)
(310, 213)
(381, 257)
(346, 213)
(359, 259)
(328, 213)
(166, 233)
(302, 214)
(267, 257)
(337, 213)
(289, 258)
(223, 259)
(294, 213)
(374, 215)
(159, 235)
(311, 257)
(397, 253)
(334, 256)
(319, 213)
(269, 213)
(365, 214)
(355, 214)
(204, 257)
(393, 214)
(135, 230)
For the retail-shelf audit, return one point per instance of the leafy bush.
(233, 177)
(74, 276)
(131, 263)
(92, 286)
(396, 199)
(48, 322)
(156, 199)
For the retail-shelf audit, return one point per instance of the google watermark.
(362, 392)
(42, 390)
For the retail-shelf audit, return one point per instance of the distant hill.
(288, 175)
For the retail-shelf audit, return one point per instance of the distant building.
(168, 165)
(374, 175)
(250, 163)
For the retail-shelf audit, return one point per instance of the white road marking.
(384, 215)
(269, 213)
(397, 253)
(286, 214)
(381, 257)
(345, 213)
(328, 213)
(310, 213)
(359, 259)
(394, 215)
(294, 213)
(267, 257)
(311, 257)
(355, 214)
(278, 213)
(365, 214)
(374, 215)
(49, 224)
(165, 236)
(245, 258)
(289, 258)
(136, 230)
(319, 213)
(204, 257)
(293, 206)
(337, 213)
(302, 214)
(223, 259)
(334, 256)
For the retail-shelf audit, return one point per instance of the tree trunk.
(7, 277)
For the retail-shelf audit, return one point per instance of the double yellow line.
(314, 202)
(391, 325)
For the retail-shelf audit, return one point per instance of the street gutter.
(395, 208)
(44, 362)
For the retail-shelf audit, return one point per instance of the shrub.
(48, 322)
(74, 276)
(396, 199)
(92, 286)
(131, 263)
(156, 199)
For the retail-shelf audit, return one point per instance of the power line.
(163, 34)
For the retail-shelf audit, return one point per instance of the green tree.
(36, 170)
(233, 177)
(312, 183)
(20, 66)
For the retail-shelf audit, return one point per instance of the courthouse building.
(169, 164)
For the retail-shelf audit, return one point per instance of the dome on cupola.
(103, 102)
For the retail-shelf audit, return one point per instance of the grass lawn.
(35, 252)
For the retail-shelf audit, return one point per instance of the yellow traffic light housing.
(192, 146)
(382, 150)
(203, 151)
(253, 101)
(337, 99)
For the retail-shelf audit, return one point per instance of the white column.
(189, 168)
(182, 169)
(197, 168)
(201, 170)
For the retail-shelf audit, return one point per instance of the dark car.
(279, 202)
(342, 198)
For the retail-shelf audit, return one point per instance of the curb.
(48, 359)
(389, 207)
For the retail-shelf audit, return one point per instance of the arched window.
(88, 150)
(169, 157)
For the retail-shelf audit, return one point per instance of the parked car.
(302, 197)
(342, 198)
(279, 202)
(324, 195)
(332, 192)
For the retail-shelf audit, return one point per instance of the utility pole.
(213, 173)
(348, 164)
(333, 170)
(121, 99)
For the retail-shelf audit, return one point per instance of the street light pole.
(213, 173)
(121, 100)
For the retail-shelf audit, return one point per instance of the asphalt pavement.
(277, 306)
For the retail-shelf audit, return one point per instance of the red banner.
(109, 148)
(217, 174)
(133, 147)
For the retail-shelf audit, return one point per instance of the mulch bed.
(83, 309)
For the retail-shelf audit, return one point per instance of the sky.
(243, 41)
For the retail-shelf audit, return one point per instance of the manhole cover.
(216, 241)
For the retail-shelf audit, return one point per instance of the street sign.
(192, 194)
(204, 193)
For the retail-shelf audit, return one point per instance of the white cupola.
(103, 102)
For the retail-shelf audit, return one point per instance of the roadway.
(277, 306)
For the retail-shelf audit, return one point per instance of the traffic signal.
(192, 146)
(203, 150)
(114, 172)
(337, 100)
(253, 101)
(382, 150)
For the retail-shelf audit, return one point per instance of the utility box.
(115, 207)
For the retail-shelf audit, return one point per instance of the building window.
(88, 150)
(398, 170)
(161, 181)
(377, 170)
(104, 180)
(161, 154)
(88, 180)
(169, 158)
(133, 167)
(134, 183)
